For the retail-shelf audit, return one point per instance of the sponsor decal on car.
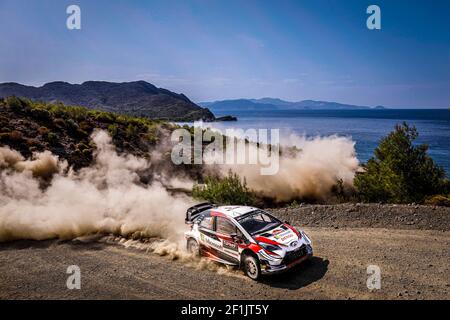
(230, 245)
(284, 236)
(276, 231)
(212, 243)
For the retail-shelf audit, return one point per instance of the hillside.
(266, 104)
(132, 98)
(65, 131)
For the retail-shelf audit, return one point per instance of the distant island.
(137, 98)
(267, 104)
(226, 118)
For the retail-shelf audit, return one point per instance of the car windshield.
(258, 222)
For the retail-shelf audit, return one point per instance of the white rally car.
(246, 237)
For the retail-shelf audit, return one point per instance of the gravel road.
(414, 264)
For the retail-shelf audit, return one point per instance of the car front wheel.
(251, 267)
(193, 247)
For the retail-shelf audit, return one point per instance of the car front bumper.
(271, 268)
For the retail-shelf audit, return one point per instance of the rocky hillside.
(132, 98)
(30, 127)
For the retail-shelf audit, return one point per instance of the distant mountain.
(138, 98)
(274, 101)
(236, 105)
(266, 104)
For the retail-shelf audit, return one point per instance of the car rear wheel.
(251, 267)
(193, 247)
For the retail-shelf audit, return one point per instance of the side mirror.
(235, 237)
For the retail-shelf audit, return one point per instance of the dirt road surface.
(414, 265)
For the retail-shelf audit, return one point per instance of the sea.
(364, 127)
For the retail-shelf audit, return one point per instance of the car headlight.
(269, 247)
(306, 237)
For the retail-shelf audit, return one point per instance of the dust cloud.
(109, 198)
(308, 168)
(105, 198)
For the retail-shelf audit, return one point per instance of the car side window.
(266, 218)
(258, 217)
(207, 221)
(224, 226)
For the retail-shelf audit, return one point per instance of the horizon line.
(234, 98)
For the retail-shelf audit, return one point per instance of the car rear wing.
(193, 212)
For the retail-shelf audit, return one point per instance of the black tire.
(252, 267)
(193, 247)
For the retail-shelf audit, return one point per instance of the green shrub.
(81, 133)
(149, 137)
(86, 152)
(82, 146)
(293, 204)
(3, 121)
(400, 172)
(40, 114)
(229, 190)
(122, 119)
(104, 117)
(85, 126)
(338, 190)
(131, 131)
(77, 113)
(439, 200)
(52, 137)
(15, 103)
(112, 129)
(73, 125)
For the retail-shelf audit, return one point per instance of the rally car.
(245, 237)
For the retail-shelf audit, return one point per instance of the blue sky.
(213, 50)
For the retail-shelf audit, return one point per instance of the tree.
(227, 190)
(400, 171)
